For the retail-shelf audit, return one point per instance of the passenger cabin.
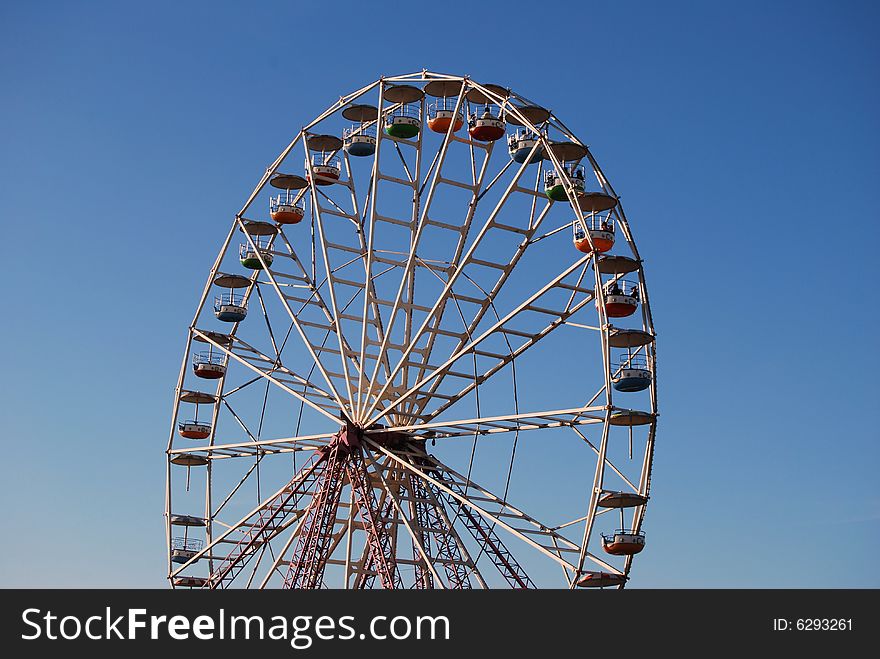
(184, 549)
(524, 145)
(567, 155)
(554, 183)
(445, 111)
(632, 374)
(194, 429)
(520, 145)
(209, 365)
(624, 542)
(253, 256)
(231, 307)
(486, 119)
(621, 298)
(404, 119)
(322, 163)
(287, 207)
(601, 234)
(284, 209)
(600, 580)
(360, 139)
(442, 116)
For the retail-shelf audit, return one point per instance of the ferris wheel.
(423, 358)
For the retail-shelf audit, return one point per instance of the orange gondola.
(624, 542)
(601, 232)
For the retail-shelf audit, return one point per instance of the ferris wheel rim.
(552, 151)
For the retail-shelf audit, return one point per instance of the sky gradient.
(742, 138)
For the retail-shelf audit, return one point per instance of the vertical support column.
(306, 568)
(379, 555)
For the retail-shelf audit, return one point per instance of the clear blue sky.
(743, 136)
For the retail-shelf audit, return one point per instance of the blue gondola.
(520, 145)
(632, 375)
(230, 307)
(360, 141)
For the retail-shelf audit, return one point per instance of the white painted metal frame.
(360, 394)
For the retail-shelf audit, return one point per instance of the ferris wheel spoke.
(421, 219)
(483, 305)
(238, 420)
(335, 282)
(216, 512)
(484, 535)
(352, 253)
(293, 317)
(608, 462)
(492, 425)
(461, 260)
(285, 384)
(251, 448)
(528, 308)
(345, 352)
(265, 315)
(372, 315)
(326, 322)
(328, 328)
(487, 298)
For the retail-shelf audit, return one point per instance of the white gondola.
(322, 163)
(184, 549)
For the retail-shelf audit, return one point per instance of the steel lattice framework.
(425, 279)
